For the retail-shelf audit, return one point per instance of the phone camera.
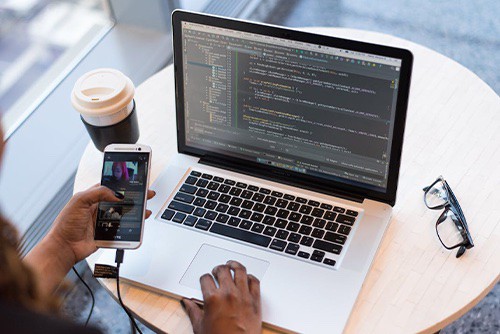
(139, 149)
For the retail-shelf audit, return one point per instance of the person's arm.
(71, 238)
(233, 307)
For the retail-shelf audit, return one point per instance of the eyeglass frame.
(452, 205)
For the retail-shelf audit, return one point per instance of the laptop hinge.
(252, 171)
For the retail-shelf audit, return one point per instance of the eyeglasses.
(451, 227)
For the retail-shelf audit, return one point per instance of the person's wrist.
(61, 248)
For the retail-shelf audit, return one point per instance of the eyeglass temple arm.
(426, 188)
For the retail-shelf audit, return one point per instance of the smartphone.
(125, 170)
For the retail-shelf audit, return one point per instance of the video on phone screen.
(125, 173)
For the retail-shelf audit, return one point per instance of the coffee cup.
(105, 100)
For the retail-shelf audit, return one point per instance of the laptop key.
(305, 209)
(281, 223)
(278, 245)
(303, 255)
(331, 226)
(195, 173)
(233, 211)
(281, 203)
(307, 220)
(203, 224)
(187, 188)
(352, 213)
(313, 203)
(202, 183)
(335, 237)
(258, 197)
(294, 227)
(210, 215)
(330, 215)
(190, 221)
(224, 198)
(253, 238)
(178, 206)
(289, 197)
(245, 214)
(306, 241)
(247, 194)
(224, 188)
(247, 204)
(179, 217)
(253, 188)
(317, 256)
(319, 223)
(329, 262)
(292, 248)
(271, 210)
(201, 192)
(326, 206)
(327, 246)
(344, 229)
(258, 228)
(339, 209)
(270, 200)
(234, 221)
(294, 216)
(305, 230)
(199, 201)
(210, 205)
(213, 195)
(235, 191)
(282, 234)
(268, 220)
(236, 201)
(246, 224)
(294, 206)
(259, 207)
(294, 237)
(317, 212)
(230, 182)
(282, 213)
(265, 191)
(241, 185)
(218, 179)
(318, 233)
(271, 231)
(199, 212)
(207, 176)
(222, 207)
(257, 217)
(276, 194)
(345, 219)
(301, 200)
(168, 214)
(191, 180)
(213, 185)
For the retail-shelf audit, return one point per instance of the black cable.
(91, 295)
(119, 260)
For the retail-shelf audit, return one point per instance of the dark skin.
(233, 307)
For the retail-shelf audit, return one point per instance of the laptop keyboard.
(282, 222)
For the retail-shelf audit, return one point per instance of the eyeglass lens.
(436, 196)
(449, 229)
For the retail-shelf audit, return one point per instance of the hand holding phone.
(125, 171)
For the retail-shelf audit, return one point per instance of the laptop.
(289, 147)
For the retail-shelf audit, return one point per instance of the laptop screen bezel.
(275, 173)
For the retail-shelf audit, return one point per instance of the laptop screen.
(312, 109)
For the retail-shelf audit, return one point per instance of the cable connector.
(119, 257)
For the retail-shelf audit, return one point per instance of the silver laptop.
(289, 151)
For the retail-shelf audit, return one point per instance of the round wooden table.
(414, 285)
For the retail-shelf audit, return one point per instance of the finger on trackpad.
(209, 256)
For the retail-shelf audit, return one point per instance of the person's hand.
(234, 307)
(74, 226)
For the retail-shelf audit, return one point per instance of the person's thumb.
(195, 314)
(99, 194)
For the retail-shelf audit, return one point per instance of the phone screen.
(125, 173)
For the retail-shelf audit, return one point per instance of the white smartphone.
(125, 170)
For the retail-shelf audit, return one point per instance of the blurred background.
(45, 45)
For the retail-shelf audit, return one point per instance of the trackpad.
(209, 256)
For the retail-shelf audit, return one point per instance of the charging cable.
(119, 260)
